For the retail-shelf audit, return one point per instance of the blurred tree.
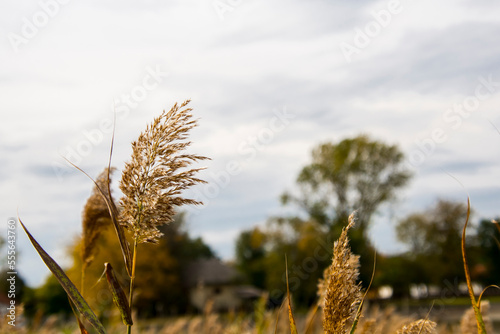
(434, 238)
(160, 268)
(309, 251)
(250, 256)
(260, 256)
(355, 174)
(399, 272)
(485, 262)
(50, 298)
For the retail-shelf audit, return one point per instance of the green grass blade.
(68, 286)
(480, 323)
(119, 297)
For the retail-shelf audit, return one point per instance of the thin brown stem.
(132, 279)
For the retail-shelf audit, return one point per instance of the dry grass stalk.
(95, 218)
(468, 323)
(422, 326)
(369, 327)
(153, 179)
(475, 304)
(339, 293)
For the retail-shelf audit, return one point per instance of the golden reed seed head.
(339, 293)
(152, 181)
(421, 326)
(95, 217)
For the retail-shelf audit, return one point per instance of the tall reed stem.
(132, 279)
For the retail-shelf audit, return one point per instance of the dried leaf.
(68, 286)
(119, 297)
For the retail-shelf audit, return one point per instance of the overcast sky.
(269, 81)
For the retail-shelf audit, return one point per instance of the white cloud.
(262, 56)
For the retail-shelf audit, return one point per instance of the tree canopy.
(354, 174)
(434, 239)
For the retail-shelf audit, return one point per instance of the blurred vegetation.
(434, 238)
(487, 253)
(362, 174)
(355, 174)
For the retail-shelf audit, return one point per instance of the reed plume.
(339, 293)
(95, 218)
(421, 326)
(153, 179)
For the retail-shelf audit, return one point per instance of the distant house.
(211, 281)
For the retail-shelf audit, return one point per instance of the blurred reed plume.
(95, 218)
(339, 292)
(468, 323)
(154, 177)
(421, 326)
